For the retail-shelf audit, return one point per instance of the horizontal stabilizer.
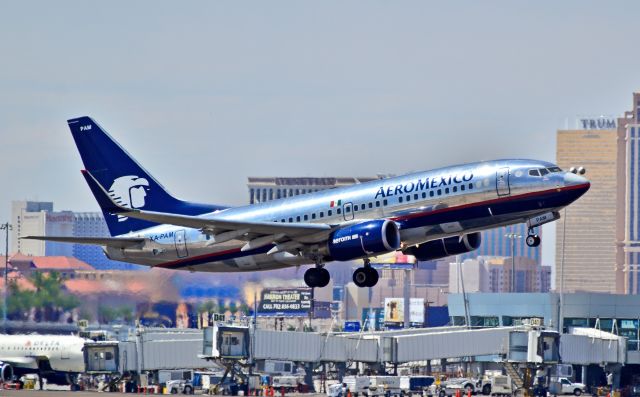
(106, 241)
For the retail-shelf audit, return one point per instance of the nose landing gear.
(365, 276)
(532, 240)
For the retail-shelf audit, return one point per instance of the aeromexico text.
(422, 184)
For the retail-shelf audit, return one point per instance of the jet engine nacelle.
(364, 239)
(444, 247)
(6, 372)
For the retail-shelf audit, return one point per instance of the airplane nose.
(576, 182)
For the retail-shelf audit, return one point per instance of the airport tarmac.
(59, 393)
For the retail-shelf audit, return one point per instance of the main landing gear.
(532, 240)
(317, 277)
(365, 276)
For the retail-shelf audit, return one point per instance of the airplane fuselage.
(429, 205)
(43, 353)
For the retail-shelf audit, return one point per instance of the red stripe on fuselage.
(416, 215)
(492, 201)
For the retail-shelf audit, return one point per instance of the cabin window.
(455, 189)
(282, 220)
(470, 186)
(363, 207)
(424, 194)
(370, 205)
(377, 204)
(439, 192)
(355, 208)
(385, 202)
(290, 219)
(313, 216)
(415, 196)
(431, 193)
(399, 199)
(329, 213)
(321, 214)
(462, 187)
(339, 211)
(306, 217)
(446, 190)
(409, 197)
(298, 218)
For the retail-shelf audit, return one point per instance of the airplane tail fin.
(126, 181)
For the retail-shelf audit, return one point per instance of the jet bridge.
(396, 347)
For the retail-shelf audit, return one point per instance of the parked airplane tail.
(126, 181)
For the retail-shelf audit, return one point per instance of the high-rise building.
(586, 253)
(628, 173)
(493, 274)
(33, 218)
(262, 189)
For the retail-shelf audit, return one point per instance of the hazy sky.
(205, 94)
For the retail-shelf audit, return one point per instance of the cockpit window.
(534, 172)
(543, 171)
(554, 169)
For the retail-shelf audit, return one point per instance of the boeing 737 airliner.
(430, 214)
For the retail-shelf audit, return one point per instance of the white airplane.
(57, 358)
(430, 214)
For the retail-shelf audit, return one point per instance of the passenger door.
(347, 211)
(502, 182)
(181, 243)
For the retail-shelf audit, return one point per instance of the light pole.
(513, 237)
(6, 227)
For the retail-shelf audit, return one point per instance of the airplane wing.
(107, 241)
(221, 229)
(23, 362)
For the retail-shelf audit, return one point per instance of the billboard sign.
(285, 302)
(393, 310)
(416, 311)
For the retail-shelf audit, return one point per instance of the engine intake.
(364, 239)
(6, 372)
(444, 247)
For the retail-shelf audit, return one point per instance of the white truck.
(387, 386)
(501, 386)
(289, 383)
(568, 387)
(357, 385)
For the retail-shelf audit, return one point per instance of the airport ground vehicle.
(501, 385)
(179, 387)
(384, 386)
(451, 386)
(357, 385)
(415, 384)
(289, 383)
(568, 387)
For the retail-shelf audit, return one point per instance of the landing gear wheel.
(360, 277)
(324, 277)
(365, 277)
(317, 277)
(533, 240)
(372, 276)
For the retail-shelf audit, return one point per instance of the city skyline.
(385, 97)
